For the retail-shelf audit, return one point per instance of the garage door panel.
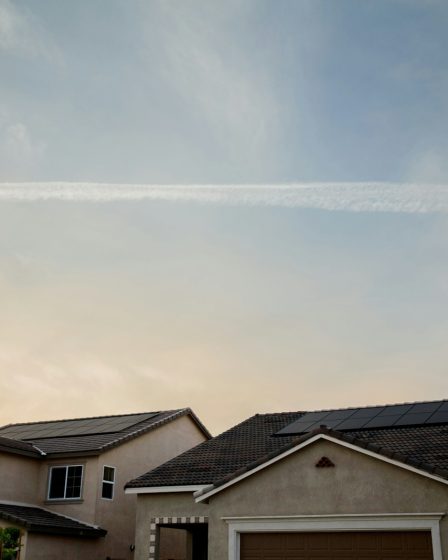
(392, 545)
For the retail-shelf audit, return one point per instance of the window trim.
(65, 499)
(109, 482)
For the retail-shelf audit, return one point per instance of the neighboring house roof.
(39, 520)
(254, 442)
(91, 436)
(20, 448)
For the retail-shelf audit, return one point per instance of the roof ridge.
(196, 447)
(379, 449)
(377, 405)
(88, 418)
(285, 413)
(143, 429)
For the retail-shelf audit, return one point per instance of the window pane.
(108, 490)
(109, 474)
(57, 483)
(74, 478)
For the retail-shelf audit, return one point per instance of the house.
(62, 482)
(357, 483)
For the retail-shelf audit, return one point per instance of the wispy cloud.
(202, 60)
(21, 32)
(353, 197)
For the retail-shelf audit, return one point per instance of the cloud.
(22, 33)
(201, 57)
(352, 197)
(18, 143)
(20, 153)
(429, 165)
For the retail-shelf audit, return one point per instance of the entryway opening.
(186, 541)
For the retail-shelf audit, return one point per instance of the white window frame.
(109, 482)
(321, 523)
(65, 486)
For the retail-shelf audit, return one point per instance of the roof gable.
(337, 438)
(256, 440)
(92, 436)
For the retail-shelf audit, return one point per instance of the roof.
(90, 436)
(39, 520)
(20, 448)
(253, 442)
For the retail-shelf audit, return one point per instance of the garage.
(374, 545)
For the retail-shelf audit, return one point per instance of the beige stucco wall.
(19, 478)
(131, 460)
(26, 480)
(42, 547)
(85, 508)
(294, 486)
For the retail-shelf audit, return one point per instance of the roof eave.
(15, 451)
(361, 446)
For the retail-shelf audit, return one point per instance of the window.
(107, 490)
(65, 483)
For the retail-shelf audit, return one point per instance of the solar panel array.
(371, 417)
(65, 428)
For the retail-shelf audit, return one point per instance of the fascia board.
(205, 496)
(164, 489)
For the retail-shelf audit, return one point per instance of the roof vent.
(324, 462)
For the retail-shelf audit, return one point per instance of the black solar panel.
(368, 412)
(371, 417)
(66, 428)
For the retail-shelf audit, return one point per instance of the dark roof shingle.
(19, 447)
(38, 520)
(253, 442)
(223, 454)
(95, 443)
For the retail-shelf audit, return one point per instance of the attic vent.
(324, 462)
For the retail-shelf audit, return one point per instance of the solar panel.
(382, 421)
(63, 428)
(371, 417)
(396, 409)
(350, 424)
(438, 417)
(413, 419)
(369, 412)
(425, 407)
(340, 414)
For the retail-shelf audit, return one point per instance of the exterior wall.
(25, 480)
(179, 504)
(358, 484)
(131, 460)
(83, 509)
(19, 478)
(50, 547)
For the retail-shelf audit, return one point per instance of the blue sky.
(329, 291)
(222, 92)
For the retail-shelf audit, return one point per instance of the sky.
(239, 206)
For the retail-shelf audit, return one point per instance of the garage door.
(387, 545)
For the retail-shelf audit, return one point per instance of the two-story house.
(61, 482)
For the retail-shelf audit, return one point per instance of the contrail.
(411, 198)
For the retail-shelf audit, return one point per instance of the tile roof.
(38, 520)
(222, 455)
(253, 442)
(96, 443)
(19, 447)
